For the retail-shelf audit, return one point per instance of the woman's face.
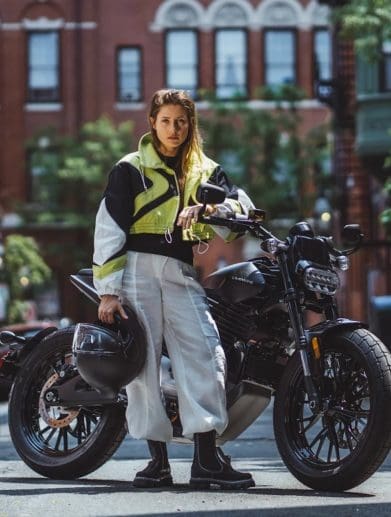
(172, 127)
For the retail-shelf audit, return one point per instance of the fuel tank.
(236, 283)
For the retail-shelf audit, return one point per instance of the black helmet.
(110, 358)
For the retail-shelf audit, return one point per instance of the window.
(386, 67)
(231, 63)
(280, 60)
(43, 66)
(322, 55)
(129, 74)
(231, 162)
(43, 164)
(182, 60)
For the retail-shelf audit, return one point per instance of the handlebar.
(241, 223)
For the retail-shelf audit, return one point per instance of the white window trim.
(313, 15)
(43, 106)
(211, 19)
(44, 24)
(257, 104)
(130, 106)
(159, 24)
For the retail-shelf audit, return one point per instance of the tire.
(4, 390)
(341, 447)
(72, 442)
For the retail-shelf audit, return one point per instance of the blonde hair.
(191, 148)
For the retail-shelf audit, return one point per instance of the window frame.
(197, 58)
(30, 97)
(118, 51)
(294, 32)
(30, 152)
(243, 30)
(386, 56)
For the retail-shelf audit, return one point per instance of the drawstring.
(200, 242)
(168, 236)
(142, 178)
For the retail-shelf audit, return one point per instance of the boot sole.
(205, 483)
(144, 482)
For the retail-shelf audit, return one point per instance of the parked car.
(26, 330)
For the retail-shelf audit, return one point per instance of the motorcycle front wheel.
(342, 444)
(59, 442)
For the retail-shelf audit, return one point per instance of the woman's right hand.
(109, 305)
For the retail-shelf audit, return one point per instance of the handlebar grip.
(216, 221)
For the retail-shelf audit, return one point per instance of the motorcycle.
(331, 381)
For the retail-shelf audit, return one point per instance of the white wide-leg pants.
(171, 304)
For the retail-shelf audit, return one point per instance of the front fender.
(329, 326)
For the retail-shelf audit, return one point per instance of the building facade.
(66, 62)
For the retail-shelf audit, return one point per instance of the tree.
(21, 269)
(368, 23)
(263, 151)
(72, 171)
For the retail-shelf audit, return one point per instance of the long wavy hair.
(191, 148)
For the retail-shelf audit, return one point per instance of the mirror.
(257, 214)
(6, 337)
(351, 233)
(210, 194)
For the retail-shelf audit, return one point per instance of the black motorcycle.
(331, 381)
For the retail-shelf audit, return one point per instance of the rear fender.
(22, 350)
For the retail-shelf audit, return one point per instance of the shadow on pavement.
(313, 511)
(99, 486)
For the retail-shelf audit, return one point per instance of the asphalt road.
(108, 491)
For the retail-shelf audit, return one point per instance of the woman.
(146, 228)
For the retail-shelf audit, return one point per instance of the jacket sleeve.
(236, 202)
(111, 229)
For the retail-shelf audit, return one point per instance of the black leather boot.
(157, 473)
(212, 467)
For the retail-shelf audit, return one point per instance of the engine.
(256, 345)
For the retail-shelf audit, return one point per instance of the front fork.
(300, 335)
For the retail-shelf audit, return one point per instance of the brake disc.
(55, 416)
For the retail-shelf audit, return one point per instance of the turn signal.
(315, 347)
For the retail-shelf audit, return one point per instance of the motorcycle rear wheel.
(343, 445)
(57, 442)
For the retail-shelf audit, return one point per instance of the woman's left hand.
(190, 214)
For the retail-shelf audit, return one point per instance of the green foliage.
(368, 23)
(22, 269)
(263, 152)
(70, 173)
(385, 216)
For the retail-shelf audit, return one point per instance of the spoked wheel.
(55, 441)
(345, 442)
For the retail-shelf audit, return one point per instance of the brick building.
(65, 62)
